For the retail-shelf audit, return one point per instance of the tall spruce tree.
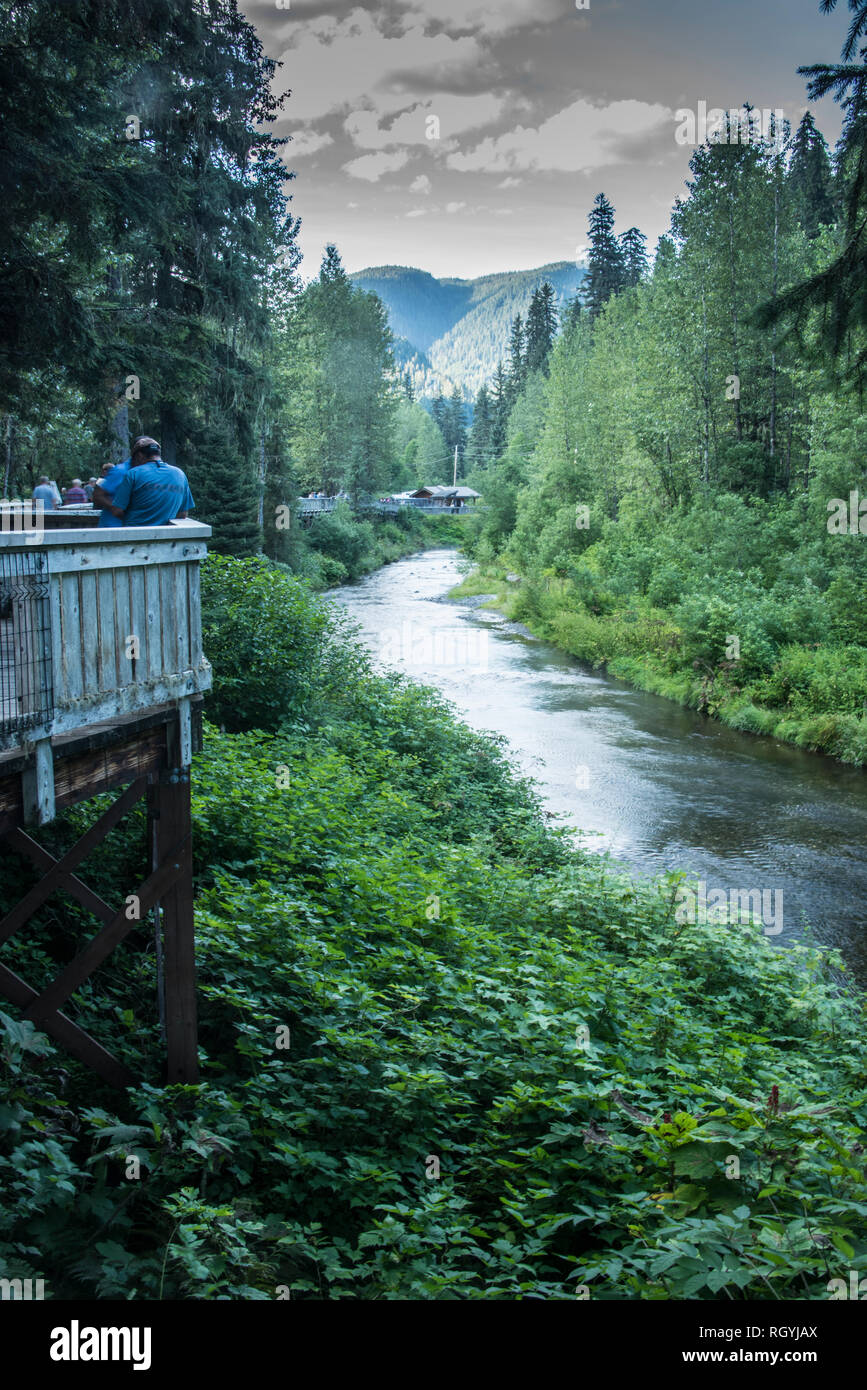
(633, 244)
(541, 328)
(810, 179)
(499, 410)
(517, 358)
(605, 261)
(480, 450)
(456, 425)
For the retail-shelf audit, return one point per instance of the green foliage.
(399, 961)
(263, 632)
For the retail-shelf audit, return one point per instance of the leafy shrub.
(263, 630)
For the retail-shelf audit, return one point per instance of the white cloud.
(421, 185)
(417, 212)
(581, 137)
(336, 64)
(454, 207)
(306, 142)
(510, 182)
(372, 166)
(455, 113)
(492, 16)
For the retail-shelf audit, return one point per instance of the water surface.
(658, 786)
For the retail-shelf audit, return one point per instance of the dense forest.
(444, 1054)
(681, 480)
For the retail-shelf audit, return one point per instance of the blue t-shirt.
(152, 494)
(45, 494)
(110, 484)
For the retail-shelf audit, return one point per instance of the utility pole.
(455, 479)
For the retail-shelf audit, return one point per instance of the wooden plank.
(74, 1039)
(173, 826)
(138, 618)
(166, 634)
(73, 857)
(177, 861)
(126, 664)
(106, 636)
(37, 785)
(73, 676)
(194, 600)
(89, 773)
(69, 882)
(78, 559)
(177, 616)
(185, 734)
(89, 632)
(154, 666)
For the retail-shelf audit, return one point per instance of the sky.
(467, 137)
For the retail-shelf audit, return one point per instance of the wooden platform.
(101, 681)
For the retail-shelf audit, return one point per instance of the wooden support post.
(37, 785)
(173, 828)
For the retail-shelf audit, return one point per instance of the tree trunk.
(734, 315)
(7, 465)
(773, 421)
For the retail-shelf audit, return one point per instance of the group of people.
(78, 494)
(143, 490)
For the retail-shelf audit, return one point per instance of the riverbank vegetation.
(444, 1054)
(681, 482)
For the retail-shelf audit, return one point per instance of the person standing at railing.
(152, 493)
(75, 495)
(110, 480)
(44, 493)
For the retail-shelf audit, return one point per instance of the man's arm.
(121, 496)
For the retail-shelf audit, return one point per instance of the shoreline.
(826, 734)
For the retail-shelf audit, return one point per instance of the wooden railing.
(96, 624)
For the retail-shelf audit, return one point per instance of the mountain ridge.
(453, 331)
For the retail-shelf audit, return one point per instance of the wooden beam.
(74, 1039)
(172, 824)
(73, 857)
(37, 785)
(179, 861)
(67, 881)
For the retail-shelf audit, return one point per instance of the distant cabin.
(440, 496)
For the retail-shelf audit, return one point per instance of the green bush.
(263, 631)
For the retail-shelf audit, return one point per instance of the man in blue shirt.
(103, 493)
(44, 493)
(151, 492)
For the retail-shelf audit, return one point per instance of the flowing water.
(658, 786)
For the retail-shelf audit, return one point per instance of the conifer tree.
(541, 328)
(480, 450)
(499, 410)
(605, 261)
(517, 358)
(810, 178)
(633, 244)
(839, 291)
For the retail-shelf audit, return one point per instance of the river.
(658, 786)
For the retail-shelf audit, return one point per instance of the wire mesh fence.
(26, 687)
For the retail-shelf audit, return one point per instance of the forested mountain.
(460, 327)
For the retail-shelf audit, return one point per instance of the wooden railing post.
(173, 843)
